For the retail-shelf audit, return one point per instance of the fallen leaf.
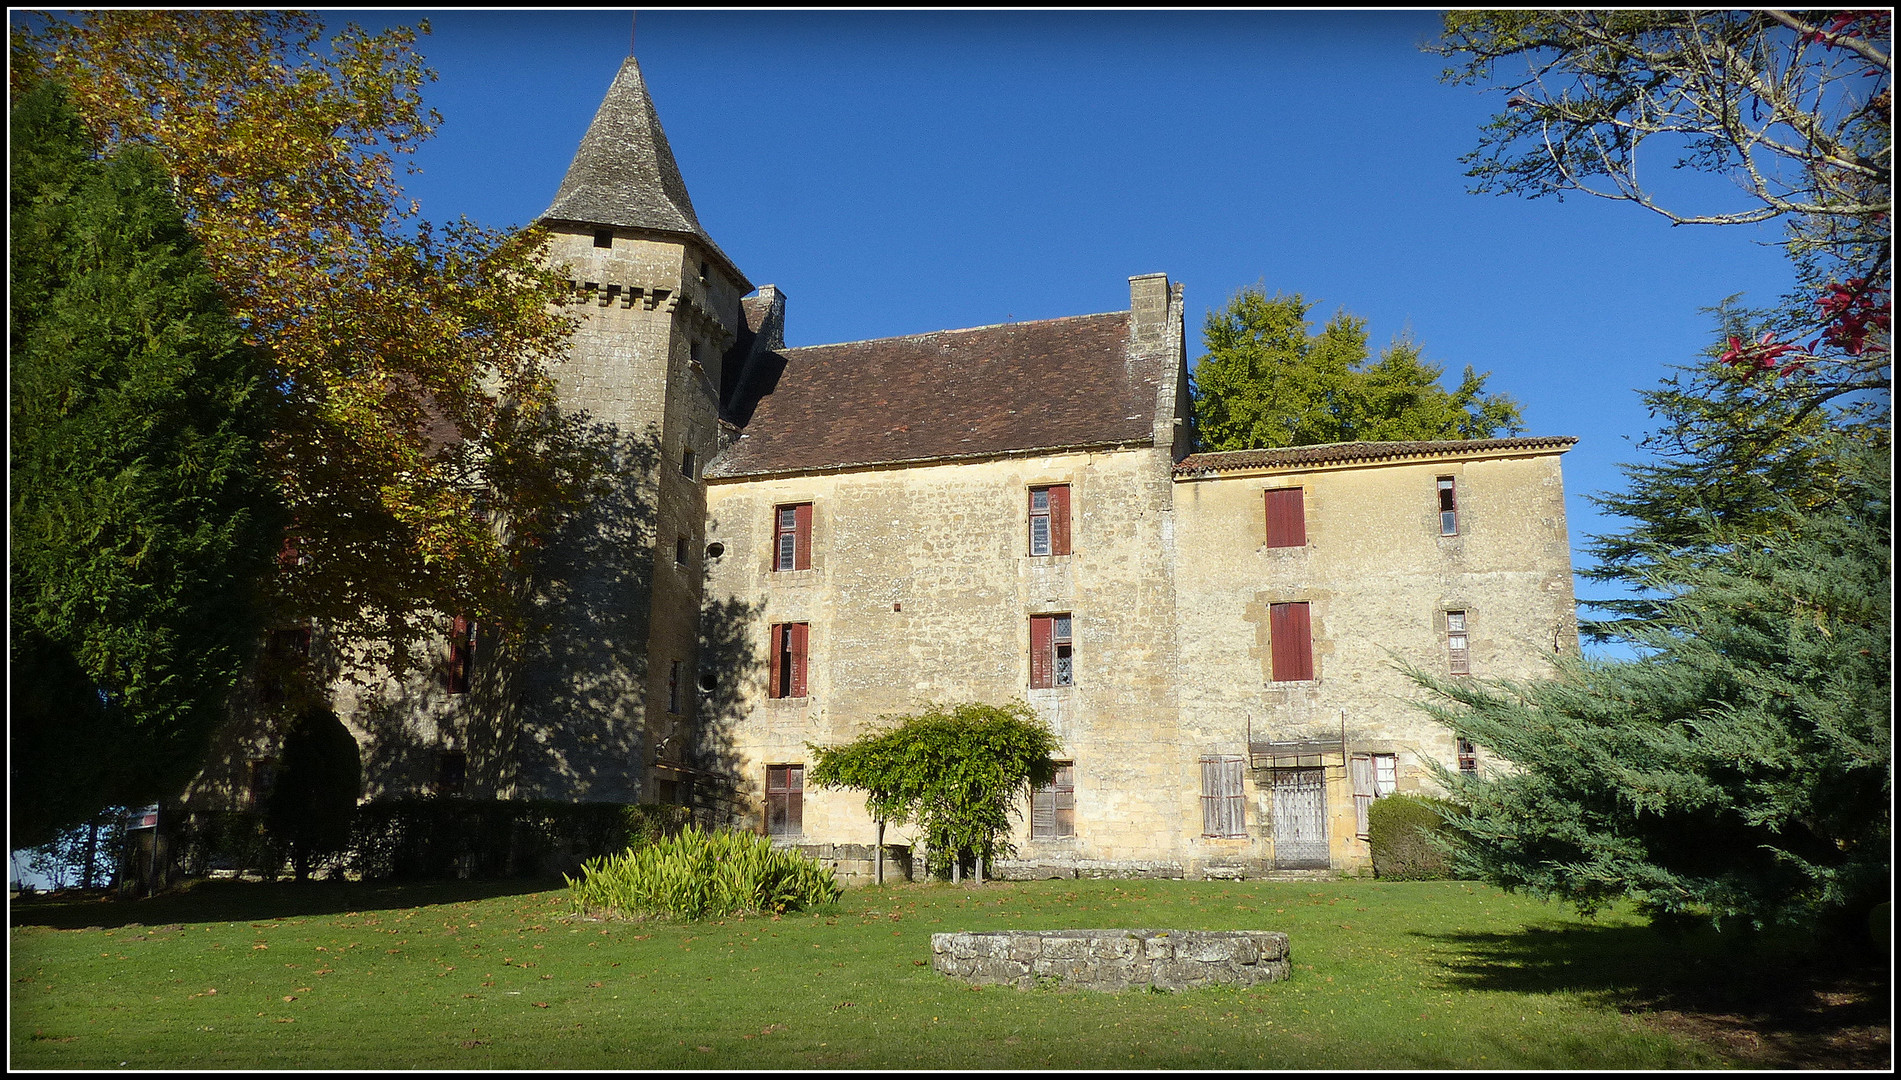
(290, 997)
(541, 1005)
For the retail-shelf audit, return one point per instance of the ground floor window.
(785, 800)
(1053, 806)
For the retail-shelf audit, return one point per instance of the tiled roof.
(1014, 387)
(624, 173)
(1343, 453)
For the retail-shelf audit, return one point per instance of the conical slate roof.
(624, 174)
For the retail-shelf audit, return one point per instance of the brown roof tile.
(1339, 453)
(988, 390)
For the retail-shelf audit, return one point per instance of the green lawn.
(473, 975)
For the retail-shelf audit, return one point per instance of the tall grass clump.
(698, 875)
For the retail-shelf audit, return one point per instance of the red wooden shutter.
(1059, 519)
(802, 545)
(1286, 518)
(1291, 642)
(773, 648)
(798, 633)
(1042, 650)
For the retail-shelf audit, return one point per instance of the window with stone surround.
(1049, 520)
(1448, 507)
(788, 660)
(792, 537)
(1290, 642)
(1458, 652)
(1286, 517)
(1373, 776)
(785, 800)
(1053, 806)
(1052, 659)
(1468, 756)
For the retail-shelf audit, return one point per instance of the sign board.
(142, 817)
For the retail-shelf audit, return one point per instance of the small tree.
(312, 805)
(957, 770)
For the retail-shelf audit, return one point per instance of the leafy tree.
(1268, 380)
(141, 523)
(1739, 768)
(412, 359)
(312, 804)
(1794, 107)
(959, 771)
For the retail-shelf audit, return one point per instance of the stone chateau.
(807, 538)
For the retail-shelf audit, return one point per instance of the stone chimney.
(765, 317)
(1148, 307)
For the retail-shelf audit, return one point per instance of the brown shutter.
(1042, 650)
(1360, 768)
(773, 645)
(798, 635)
(1291, 642)
(802, 544)
(1286, 518)
(1042, 813)
(1059, 519)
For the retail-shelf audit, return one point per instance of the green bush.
(697, 875)
(1402, 829)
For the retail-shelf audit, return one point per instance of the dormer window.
(603, 238)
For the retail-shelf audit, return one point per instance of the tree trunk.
(877, 873)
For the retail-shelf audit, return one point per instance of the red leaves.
(1852, 310)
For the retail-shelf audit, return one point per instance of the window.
(455, 674)
(792, 537)
(703, 271)
(1290, 641)
(1053, 806)
(1221, 797)
(1468, 756)
(788, 660)
(1286, 518)
(1051, 661)
(686, 463)
(680, 551)
(1448, 508)
(1458, 656)
(452, 769)
(673, 687)
(262, 776)
(785, 800)
(603, 238)
(1049, 520)
(1373, 776)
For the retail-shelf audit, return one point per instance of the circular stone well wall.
(1113, 959)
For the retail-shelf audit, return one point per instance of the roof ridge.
(951, 330)
(1368, 449)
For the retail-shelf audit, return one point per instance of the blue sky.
(902, 172)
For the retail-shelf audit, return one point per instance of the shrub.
(697, 875)
(1402, 830)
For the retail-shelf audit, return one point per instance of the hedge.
(1401, 829)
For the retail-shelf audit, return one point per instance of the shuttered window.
(1373, 775)
(787, 660)
(1049, 520)
(1221, 797)
(1053, 807)
(1286, 518)
(785, 800)
(1458, 654)
(1290, 641)
(455, 676)
(792, 537)
(1385, 774)
(1448, 507)
(1052, 659)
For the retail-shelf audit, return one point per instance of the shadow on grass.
(241, 901)
(1766, 1001)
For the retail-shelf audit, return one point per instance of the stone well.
(1113, 959)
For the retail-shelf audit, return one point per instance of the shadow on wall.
(732, 653)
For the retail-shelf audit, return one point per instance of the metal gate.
(1300, 819)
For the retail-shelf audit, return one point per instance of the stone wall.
(1113, 959)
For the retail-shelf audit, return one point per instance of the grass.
(1402, 975)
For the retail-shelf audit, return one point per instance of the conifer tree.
(141, 520)
(1267, 380)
